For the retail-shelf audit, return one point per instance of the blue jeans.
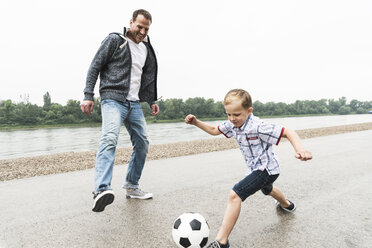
(115, 113)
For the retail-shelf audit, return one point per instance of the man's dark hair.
(143, 12)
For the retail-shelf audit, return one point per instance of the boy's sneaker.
(102, 199)
(291, 208)
(216, 244)
(138, 194)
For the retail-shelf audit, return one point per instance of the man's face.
(236, 113)
(139, 28)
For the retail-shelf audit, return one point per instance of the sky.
(279, 51)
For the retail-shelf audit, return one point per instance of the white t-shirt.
(139, 54)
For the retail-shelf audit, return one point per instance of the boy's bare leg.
(279, 196)
(231, 216)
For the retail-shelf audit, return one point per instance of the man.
(128, 68)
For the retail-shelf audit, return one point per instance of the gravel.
(73, 161)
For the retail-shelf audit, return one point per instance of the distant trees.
(171, 109)
(47, 100)
(27, 114)
(206, 108)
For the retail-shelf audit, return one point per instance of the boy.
(255, 139)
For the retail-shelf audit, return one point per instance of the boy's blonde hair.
(238, 94)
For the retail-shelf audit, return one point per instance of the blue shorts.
(257, 180)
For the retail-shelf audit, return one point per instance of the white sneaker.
(138, 194)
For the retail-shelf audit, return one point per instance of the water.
(27, 143)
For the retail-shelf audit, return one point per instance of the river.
(34, 142)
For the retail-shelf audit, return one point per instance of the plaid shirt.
(255, 139)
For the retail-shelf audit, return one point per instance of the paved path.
(333, 193)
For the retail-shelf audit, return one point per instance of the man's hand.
(155, 109)
(190, 119)
(304, 155)
(87, 107)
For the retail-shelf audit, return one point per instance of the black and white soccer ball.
(190, 230)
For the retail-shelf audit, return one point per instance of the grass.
(149, 120)
(29, 127)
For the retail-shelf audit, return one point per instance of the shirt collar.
(244, 125)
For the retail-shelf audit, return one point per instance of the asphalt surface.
(333, 194)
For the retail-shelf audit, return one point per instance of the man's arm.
(101, 58)
(192, 120)
(295, 140)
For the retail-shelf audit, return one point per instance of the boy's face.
(139, 28)
(236, 113)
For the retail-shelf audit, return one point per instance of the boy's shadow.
(284, 227)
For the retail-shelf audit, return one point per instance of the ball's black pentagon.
(177, 223)
(195, 225)
(185, 242)
(204, 242)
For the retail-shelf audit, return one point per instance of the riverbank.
(72, 161)
(149, 120)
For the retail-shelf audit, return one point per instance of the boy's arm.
(212, 130)
(293, 137)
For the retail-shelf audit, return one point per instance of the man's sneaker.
(138, 194)
(102, 199)
(216, 244)
(291, 208)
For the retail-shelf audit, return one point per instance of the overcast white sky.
(277, 50)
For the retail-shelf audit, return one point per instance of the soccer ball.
(190, 230)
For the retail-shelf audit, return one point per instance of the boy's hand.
(190, 119)
(208, 128)
(304, 155)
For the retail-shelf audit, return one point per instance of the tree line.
(25, 113)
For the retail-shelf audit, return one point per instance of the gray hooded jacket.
(113, 62)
